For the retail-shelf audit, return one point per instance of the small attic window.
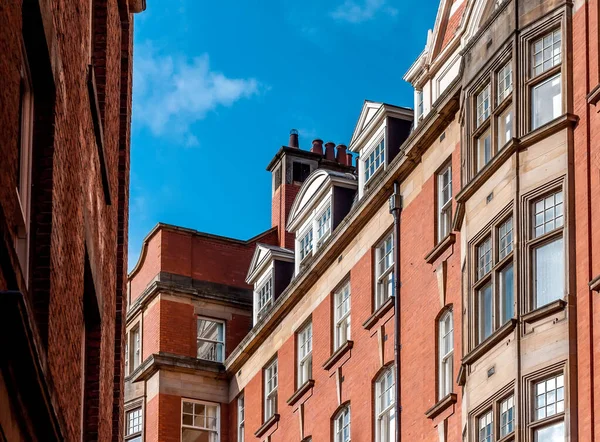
(300, 172)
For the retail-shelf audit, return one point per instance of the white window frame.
(219, 356)
(444, 208)
(504, 82)
(376, 153)
(385, 407)
(241, 418)
(271, 383)
(341, 423)
(485, 427)
(384, 275)
(323, 225)
(484, 104)
(264, 303)
(133, 430)
(304, 355)
(548, 419)
(306, 243)
(135, 347)
(341, 315)
(420, 104)
(217, 406)
(538, 47)
(507, 427)
(446, 358)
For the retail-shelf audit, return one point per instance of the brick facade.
(439, 277)
(61, 294)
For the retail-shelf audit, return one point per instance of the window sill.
(440, 248)
(337, 355)
(548, 129)
(442, 405)
(308, 385)
(508, 438)
(544, 311)
(594, 96)
(490, 168)
(490, 342)
(595, 284)
(267, 425)
(379, 313)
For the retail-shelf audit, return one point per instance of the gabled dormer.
(270, 272)
(323, 201)
(378, 135)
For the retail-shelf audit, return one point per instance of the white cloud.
(358, 12)
(170, 93)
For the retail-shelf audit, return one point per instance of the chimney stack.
(317, 146)
(341, 154)
(348, 159)
(330, 151)
(293, 139)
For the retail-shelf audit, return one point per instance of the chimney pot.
(293, 138)
(317, 146)
(341, 154)
(330, 151)
(348, 159)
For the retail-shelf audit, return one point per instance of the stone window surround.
(493, 404)
(490, 231)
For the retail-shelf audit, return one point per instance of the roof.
(263, 255)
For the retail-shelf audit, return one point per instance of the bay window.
(549, 409)
(545, 78)
(133, 422)
(547, 249)
(493, 288)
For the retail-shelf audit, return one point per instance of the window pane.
(485, 300)
(550, 397)
(505, 126)
(549, 284)
(504, 82)
(546, 101)
(483, 105)
(194, 435)
(486, 428)
(548, 214)
(551, 433)
(506, 294)
(507, 416)
(546, 53)
(484, 149)
(505, 232)
(484, 258)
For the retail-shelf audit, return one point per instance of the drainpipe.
(396, 210)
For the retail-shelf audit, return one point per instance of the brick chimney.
(330, 151)
(289, 168)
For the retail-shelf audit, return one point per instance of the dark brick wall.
(69, 210)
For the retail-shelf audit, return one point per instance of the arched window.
(341, 425)
(385, 399)
(446, 357)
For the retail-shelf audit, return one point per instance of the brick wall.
(71, 219)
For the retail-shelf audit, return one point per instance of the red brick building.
(441, 286)
(65, 111)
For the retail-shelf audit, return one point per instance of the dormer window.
(323, 225)
(264, 298)
(374, 160)
(306, 243)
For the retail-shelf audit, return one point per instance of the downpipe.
(396, 210)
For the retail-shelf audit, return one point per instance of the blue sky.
(218, 85)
